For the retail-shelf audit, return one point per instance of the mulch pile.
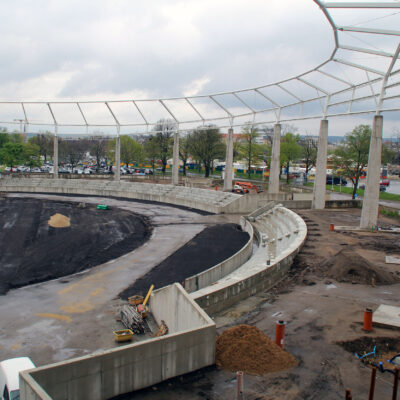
(245, 348)
(349, 266)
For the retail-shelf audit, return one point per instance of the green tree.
(131, 150)
(290, 151)
(4, 137)
(185, 144)
(163, 133)
(31, 155)
(151, 150)
(12, 154)
(16, 137)
(351, 157)
(309, 147)
(249, 149)
(45, 143)
(206, 146)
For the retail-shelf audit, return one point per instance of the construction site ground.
(322, 300)
(320, 312)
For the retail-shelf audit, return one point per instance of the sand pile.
(349, 266)
(245, 348)
(59, 221)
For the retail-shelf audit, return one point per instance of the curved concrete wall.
(212, 201)
(224, 268)
(278, 247)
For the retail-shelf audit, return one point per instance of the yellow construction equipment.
(142, 309)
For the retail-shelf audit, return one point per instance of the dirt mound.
(59, 221)
(349, 266)
(245, 348)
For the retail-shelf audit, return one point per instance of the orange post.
(367, 320)
(239, 388)
(280, 334)
(331, 227)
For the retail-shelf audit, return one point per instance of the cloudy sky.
(124, 49)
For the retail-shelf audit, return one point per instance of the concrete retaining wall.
(202, 199)
(266, 267)
(189, 346)
(249, 202)
(224, 268)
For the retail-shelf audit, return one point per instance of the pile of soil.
(245, 348)
(208, 248)
(349, 266)
(59, 221)
(32, 250)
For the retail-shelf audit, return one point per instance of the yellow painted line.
(88, 281)
(77, 307)
(59, 317)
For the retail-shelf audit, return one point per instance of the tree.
(45, 143)
(31, 155)
(151, 150)
(163, 133)
(250, 150)
(290, 151)
(4, 137)
(185, 150)
(352, 157)
(98, 149)
(131, 150)
(309, 147)
(11, 154)
(16, 137)
(72, 151)
(206, 145)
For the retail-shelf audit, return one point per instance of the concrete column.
(275, 167)
(175, 160)
(228, 162)
(320, 173)
(55, 156)
(369, 213)
(117, 171)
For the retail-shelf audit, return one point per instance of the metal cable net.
(361, 76)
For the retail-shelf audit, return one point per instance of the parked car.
(9, 376)
(337, 180)
(384, 182)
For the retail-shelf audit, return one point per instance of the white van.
(9, 376)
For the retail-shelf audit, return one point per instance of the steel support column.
(275, 167)
(320, 173)
(369, 213)
(229, 162)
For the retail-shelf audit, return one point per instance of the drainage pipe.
(368, 320)
(280, 334)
